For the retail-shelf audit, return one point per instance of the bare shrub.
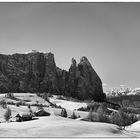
(116, 118)
(99, 115)
(123, 119)
(10, 95)
(125, 103)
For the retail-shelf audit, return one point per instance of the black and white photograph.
(69, 69)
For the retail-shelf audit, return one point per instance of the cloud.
(104, 84)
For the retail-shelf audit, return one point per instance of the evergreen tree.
(3, 104)
(29, 106)
(100, 110)
(73, 116)
(90, 115)
(7, 114)
(64, 113)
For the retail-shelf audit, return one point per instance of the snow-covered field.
(56, 126)
(32, 98)
(134, 128)
(68, 104)
(29, 98)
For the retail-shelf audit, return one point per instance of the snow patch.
(68, 104)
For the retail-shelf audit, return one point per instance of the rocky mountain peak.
(37, 72)
(74, 63)
(84, 61)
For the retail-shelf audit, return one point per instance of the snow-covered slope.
(134, 128)
(54, 126)
(28, 98)
(68, 104)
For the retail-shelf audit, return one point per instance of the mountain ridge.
(37, 72)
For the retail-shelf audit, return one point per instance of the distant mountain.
(135, 91)
(123, 91)
(37, 72)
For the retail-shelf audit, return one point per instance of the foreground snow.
(55, 126)
(134, 128)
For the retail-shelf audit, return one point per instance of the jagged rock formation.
(84, 82)
(37, 72)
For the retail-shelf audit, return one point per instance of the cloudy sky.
(107, 33)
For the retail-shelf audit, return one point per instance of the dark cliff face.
(84, 81)
(37, 72)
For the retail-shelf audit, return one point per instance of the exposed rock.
(37, 72)
(84, 81)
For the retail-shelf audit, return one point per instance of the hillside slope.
(53, 126)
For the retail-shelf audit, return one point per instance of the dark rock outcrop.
(37, 72)
(84, 81)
